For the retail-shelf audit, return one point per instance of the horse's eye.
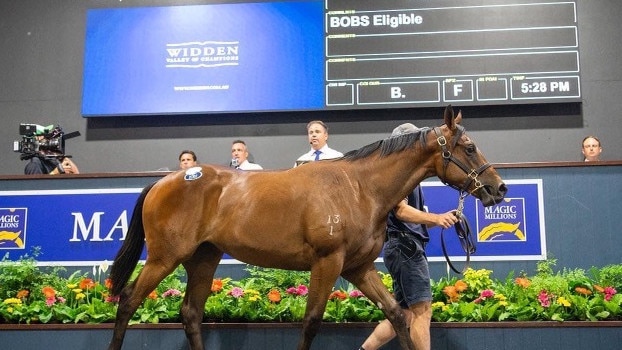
(470, 150)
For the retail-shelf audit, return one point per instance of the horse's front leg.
(200, 269)
(324, 273)
(366, 278)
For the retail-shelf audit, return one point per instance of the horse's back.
(278, 218)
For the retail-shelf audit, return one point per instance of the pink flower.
(112, 299)
(609, 293)
(483, 295)
(543, 297)
(236, 292)
(356, 294)
(300, 290)
(50, 301)
(487, 293)
(171, 293)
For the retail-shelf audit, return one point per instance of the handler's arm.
(407, 213)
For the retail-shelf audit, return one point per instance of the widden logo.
(204, 54)
(13, 228)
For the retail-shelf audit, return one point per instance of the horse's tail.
(127, 258)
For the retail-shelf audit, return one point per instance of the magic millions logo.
(204, 54)
(502, 222)
(13, 228)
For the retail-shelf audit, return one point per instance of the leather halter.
(448, 157)
(462, 227)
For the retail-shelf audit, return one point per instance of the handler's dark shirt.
(394, 225)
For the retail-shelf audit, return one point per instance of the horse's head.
(462, 165)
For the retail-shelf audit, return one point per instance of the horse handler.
(406, 261)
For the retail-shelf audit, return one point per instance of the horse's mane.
(389, 145)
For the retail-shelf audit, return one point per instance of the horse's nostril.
(503, 189)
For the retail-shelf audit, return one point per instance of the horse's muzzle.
(491, 195)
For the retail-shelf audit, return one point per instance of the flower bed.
(32, 295)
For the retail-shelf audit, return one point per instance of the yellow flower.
(254, 298)
(387, 280)
(445, 308)
(503, 303)
(438, 304)
(9, 309)
(13, 301)
(72, 285)
(563, 301)
(500, 297)
(80, 296)
(77, 290)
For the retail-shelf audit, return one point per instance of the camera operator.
(45, 147)
(41, 165)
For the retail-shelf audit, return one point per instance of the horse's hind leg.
(200, 269)
(133, 295)
(366, 278)
(324, 273)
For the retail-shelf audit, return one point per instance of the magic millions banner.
(88, 226)
(511, 230)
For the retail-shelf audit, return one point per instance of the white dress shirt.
(246, 165)
(327, 153)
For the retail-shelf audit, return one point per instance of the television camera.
(42, 141)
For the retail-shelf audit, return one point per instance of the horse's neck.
(394, 176)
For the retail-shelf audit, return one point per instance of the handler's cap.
(403, 129)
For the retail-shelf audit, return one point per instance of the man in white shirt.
(239, 157)
(591, 149)
(317, 132)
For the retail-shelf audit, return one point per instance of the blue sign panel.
(72, 227)
(87, 227)
(510, 230)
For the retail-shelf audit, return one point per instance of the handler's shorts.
(404, 257)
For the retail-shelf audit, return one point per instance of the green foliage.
(610, 275)
(545, 267)
(30, 294)
(569, 295)
(24, 274)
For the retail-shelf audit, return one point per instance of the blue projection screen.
(217, 58)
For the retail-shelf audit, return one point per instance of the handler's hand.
(447, 219)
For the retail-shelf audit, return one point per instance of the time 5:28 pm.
(544, 86)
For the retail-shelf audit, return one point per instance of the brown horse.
(326, 217)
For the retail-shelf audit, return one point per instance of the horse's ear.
(449, 117)
(458, 119)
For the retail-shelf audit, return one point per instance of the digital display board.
(327, 55)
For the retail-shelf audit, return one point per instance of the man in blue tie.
(317, 133)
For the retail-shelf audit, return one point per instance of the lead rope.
(463, 230)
